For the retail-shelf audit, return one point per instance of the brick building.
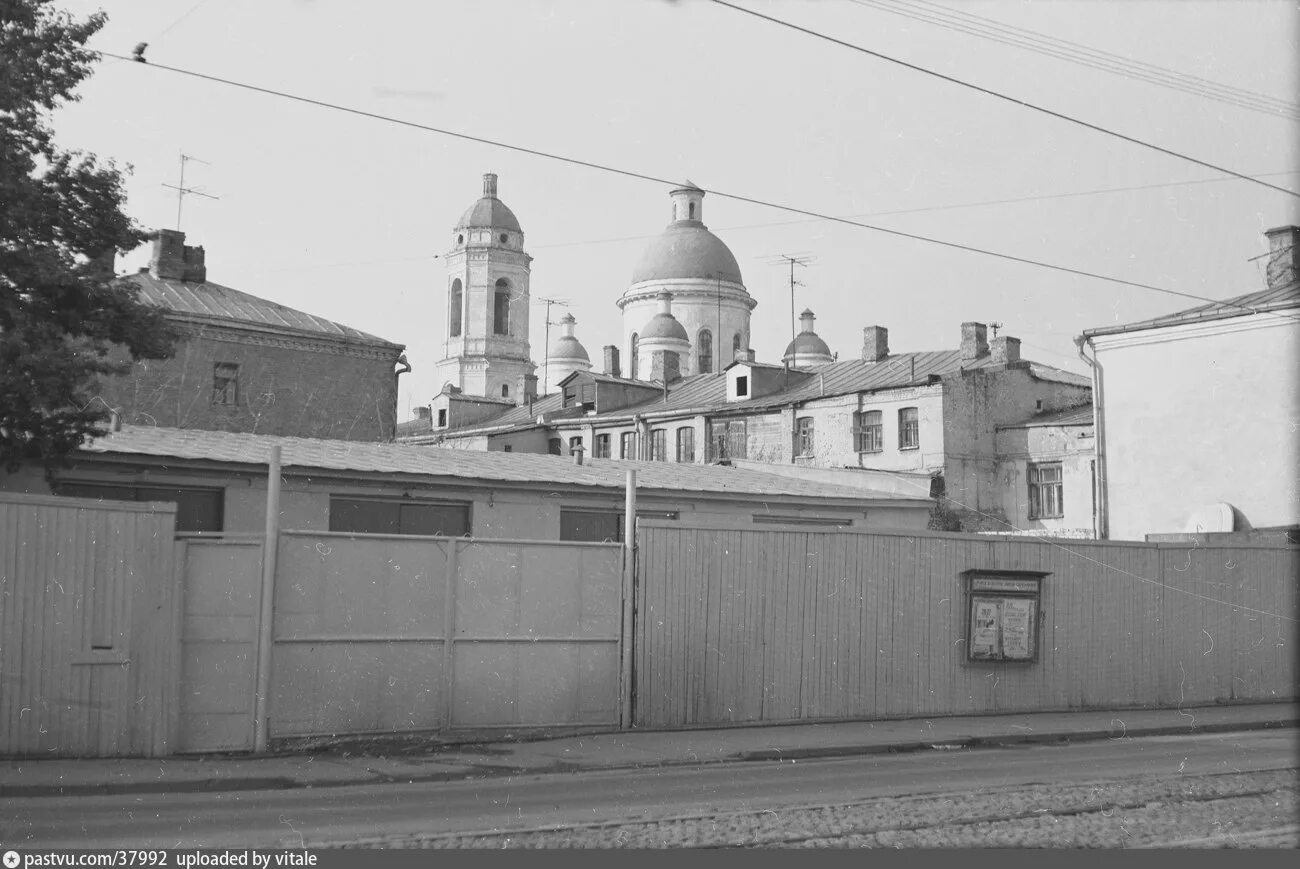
(248, 364)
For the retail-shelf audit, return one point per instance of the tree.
(62, 318)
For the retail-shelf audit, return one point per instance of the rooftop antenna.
(804, 261)
(546, 359)
(995, 327)
(182, 190)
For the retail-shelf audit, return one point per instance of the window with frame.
(804, 436)
(704, 345)
(1046, 491)
(868, 431)
(742, 386)
(554, 446)
(225, 384)
(442, 417)
(455, 309)
(197, 509)
(501, 308)
(602, 447)
(627, 445)
(909, 429)
(601, 526)
(686, 444)
(727, 440)
(393, 516)
(735, 344)
(505, 390)
(659, 445)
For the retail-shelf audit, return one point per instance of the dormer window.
(742, 386)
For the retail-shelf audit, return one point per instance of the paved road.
(420, 813)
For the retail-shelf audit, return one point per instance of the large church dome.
(687, 250)
(489, 212)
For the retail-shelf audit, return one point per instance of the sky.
(347, 217)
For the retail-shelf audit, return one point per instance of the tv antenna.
(995, 327)
(803, 260)
(546, 350)
(182, 191)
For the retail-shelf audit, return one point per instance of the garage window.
(377, 516)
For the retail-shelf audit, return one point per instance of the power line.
(627, 173)
(1014, 100)
(1073, 52)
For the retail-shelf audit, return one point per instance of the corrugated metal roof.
(1261, 301)
(1081, 415)
(206, 299)
(392, 458)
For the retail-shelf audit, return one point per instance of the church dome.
(807, 347)
(489, 212)
(664, 326)
(686, 249)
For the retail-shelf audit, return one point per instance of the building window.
(1045, 491)
(196, 509)
(727, 440)
(627, 445)
(804, 436)
(554, 446)
(575, 444)
(225, 384)
(504, 238)
(631, 364)
(686, 444)
(602, 447)
(442, 417)
(602, 526)
(570, 395)
(501, 308)
(909, 429)
(456, 309)
(659, 445)
(705, 346)
(735, 345)
(690, 210)
(505, 390)
(507, 449)
(378, 516)
(868, 431)
(460, 239)
(742, 386)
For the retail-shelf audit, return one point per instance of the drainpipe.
(629, 592)
(1101, 521)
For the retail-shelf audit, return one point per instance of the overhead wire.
(642, 176)
(1133, 140)
(964, 21)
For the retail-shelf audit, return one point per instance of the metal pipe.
(1101, 521)
(266, 615)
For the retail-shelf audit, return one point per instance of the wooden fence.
(738, 626)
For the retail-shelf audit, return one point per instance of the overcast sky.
(345, 217)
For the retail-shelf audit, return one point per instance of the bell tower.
(486, 349)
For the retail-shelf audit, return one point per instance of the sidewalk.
(612, 751)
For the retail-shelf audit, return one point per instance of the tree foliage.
(61, 215)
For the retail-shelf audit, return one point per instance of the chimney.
(611, 360)
(875, 343)
(527, 392)
(1283, 255)
(490, 185)
(173, 260)
(665, 366)
(745, 354)
(423, 412)
(974, 341)
(576, 450)
(1006, 349)
(100, 267)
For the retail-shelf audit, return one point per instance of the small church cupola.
(807, 349)
(688, 203)
(662, 344)
(565, 355)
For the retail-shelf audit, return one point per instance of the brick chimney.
(875, 343)
(1283, 255)
(665, 367)
(1006, 349)
(974, 341)
(527, 391)
(611, 361)
(744, 354)
(173, 260)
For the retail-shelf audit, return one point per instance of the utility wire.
(1014, 100)
(1073, 52)
(627, 173)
